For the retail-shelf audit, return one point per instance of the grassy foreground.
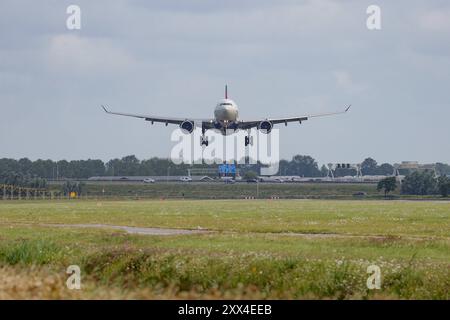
(258, 249)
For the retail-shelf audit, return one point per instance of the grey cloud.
(173, 58)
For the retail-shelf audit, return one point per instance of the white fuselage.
(226, 111)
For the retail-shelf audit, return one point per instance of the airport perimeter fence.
(87, 197)
(49, 195)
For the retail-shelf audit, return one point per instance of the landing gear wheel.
(248, 140)
(203, 141)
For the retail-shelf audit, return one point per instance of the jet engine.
(187, 126)
(265, 126)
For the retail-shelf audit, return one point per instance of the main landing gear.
(248, 139)
(203, 139)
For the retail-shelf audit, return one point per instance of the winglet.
(104, 108)
(348, 108)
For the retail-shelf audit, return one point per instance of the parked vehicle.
(228, 180)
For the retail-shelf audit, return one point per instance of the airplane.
(225, 120)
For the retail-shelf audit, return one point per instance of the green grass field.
(202, 190)
(221, 191)
(314, 249)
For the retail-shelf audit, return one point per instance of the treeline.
(306, 166)
(49, 169)
(23, 180)
(300, 165)
(425, 183)
(422, 183)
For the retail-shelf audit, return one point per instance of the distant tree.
(412, 184)
(63, 170)
(37, 183)
(154, 167)
(443, 169)
(12, 178)
(127, 166)
(25, 166)
(304, 166)
(444, 186)
(113, 167)
(283, 166)
(130, 165)
(250, 175)
(369, 167)
(9, 165)
(385, 169)
(72, 186)
(419, 183)
(324, 170)
(43, 168)
(15, 170)
(21, 180)
(429, 183)
(388, 185)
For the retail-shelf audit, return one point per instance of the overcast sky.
(172, 58)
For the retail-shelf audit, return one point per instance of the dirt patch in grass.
(133, 230)
(173, 231)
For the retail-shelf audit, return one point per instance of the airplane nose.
(225, 112)
(229, 112)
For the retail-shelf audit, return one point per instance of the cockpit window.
(226, 104)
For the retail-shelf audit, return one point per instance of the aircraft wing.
(151, 118)
(254, 123)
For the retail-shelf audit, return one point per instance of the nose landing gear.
(204, 141)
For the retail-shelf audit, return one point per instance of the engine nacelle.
(187, 126)
(265, 126)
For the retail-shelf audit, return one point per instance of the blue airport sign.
(227, 168)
